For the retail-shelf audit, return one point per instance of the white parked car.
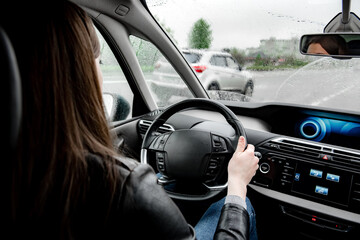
(216, 70)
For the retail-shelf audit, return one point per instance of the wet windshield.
(262, 40)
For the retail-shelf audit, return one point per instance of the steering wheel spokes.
(191, 157)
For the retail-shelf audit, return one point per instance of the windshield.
(263, 38)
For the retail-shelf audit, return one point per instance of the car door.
(218, 71)
(236, 80)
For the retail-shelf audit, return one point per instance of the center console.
(313, 171)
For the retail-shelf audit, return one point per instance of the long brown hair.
(63, 117)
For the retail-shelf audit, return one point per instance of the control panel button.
(333, 177)
(316, 173)
(287, 177)
(321, 190)
(325, 157)
(285, 185)
(288, 170)
(289, 164)
(264, 167)
(258, 155)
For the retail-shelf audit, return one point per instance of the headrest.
(10, 95)
(354, 47)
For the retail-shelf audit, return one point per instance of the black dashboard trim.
(307, 204)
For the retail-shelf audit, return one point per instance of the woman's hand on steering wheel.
(242, 167)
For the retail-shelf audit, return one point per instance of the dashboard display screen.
(326, 130)
(322, 182)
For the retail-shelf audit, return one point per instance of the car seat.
(354, 47)
(11, 117)
(11, 94)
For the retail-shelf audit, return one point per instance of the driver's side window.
(114, 82)
(231, 63)
(165, 84)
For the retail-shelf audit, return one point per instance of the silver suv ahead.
(219, 71)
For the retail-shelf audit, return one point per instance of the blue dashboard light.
(309, 129)
(329, 130)
(314, 128)
(350, 129)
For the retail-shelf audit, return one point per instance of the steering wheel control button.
(214, 166)
(264, 168)
(159, 142)
(160, 156)
(219, 144)
(160, 161)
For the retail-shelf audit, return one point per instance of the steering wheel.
(192, 155)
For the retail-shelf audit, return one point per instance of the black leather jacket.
(143, 210)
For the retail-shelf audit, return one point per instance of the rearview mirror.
(331, 44)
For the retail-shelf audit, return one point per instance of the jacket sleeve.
(233, 223)
(147, 205)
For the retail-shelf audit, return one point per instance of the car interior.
(308, 182)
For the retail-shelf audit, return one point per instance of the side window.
(114, 82)
(192, 57)
(231, 63)
(220, 61)
(212, 61)
(165, 84)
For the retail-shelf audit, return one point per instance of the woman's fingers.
(241, 144)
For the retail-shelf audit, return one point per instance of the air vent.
(145, 124)
(346, 156)
(314, 150)
(355, 194)
(302, 144)
(300, 148)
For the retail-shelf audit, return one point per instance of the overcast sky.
(243, 23)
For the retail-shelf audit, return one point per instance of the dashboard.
(310, 164)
